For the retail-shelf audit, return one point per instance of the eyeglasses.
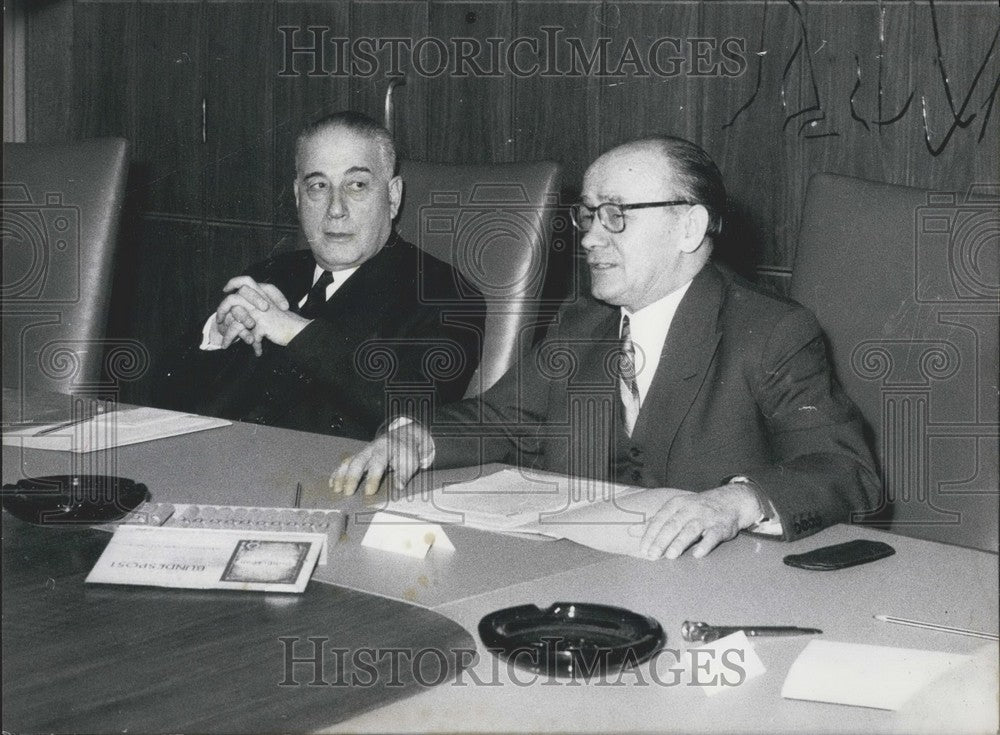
(612, 215)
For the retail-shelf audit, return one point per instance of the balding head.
(670, 200)
(691, 170)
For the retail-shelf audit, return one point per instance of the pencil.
(937, 627)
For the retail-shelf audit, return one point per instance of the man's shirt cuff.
(769, 524)
(206, 343)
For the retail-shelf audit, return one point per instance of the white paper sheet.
(615, 525)
(864, 675)
(603, 516)
(113, 429)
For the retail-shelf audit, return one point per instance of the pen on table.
(298, 494)
(705, 633)
(71, 422)
(937, 627)
(23, 424)
(762, 630)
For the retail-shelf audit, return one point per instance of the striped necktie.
(627, 387)
(317, 296)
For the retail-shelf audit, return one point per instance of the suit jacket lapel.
(593, 343)
(597, 356)
(359, 297)
(296, 281)
(687, 354)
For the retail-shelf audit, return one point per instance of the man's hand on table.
(704, 519)
(254, 312)
(402, 450)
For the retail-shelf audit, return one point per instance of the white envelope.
(864, 675)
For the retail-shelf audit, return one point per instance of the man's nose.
(336, 208)
(594, 237)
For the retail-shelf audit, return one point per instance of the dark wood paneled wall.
(902, 92)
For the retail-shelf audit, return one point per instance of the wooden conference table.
(231, 683)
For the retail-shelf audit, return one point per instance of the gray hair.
(356, 122)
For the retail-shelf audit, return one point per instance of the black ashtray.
(61, 500)
(571, 638)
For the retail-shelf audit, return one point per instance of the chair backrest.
(905, 284)
(61, 210)
(492, 222)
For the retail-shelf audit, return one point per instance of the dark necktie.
(627, 387)
(317, 296)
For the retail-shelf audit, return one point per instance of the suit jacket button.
(635, 452)
(636, 476)
(337, 422)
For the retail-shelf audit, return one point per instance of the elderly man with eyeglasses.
(674, 373)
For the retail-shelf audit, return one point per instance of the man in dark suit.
(676, 374)
(336, 333)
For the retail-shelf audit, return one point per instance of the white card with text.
(265, 561)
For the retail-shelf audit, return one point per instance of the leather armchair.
(904, 283)
(61, 210)
(491, 222)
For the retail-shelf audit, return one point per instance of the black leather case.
(840, 556)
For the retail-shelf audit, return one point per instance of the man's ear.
(395, 194)
(695, 227)
(295, 189)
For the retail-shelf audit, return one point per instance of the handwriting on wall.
(809, 118)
